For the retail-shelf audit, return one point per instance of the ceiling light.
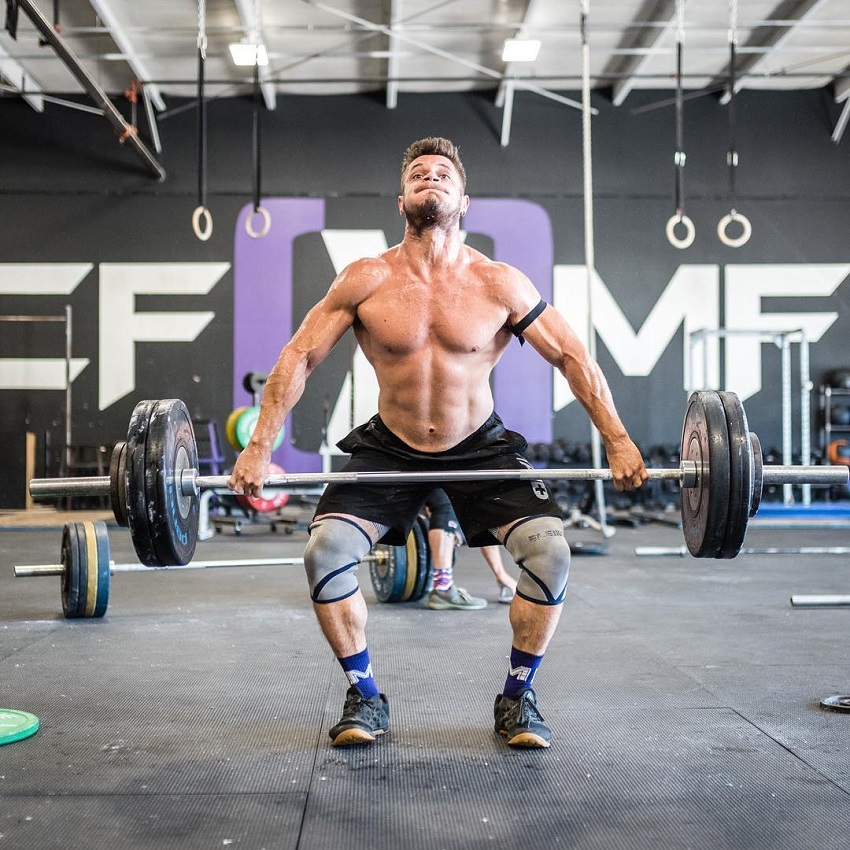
(248, 53)
(520, 50)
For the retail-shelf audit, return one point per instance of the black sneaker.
(520, 722)
(362, 719)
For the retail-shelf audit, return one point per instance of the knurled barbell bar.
(399, 573)
(154, 484)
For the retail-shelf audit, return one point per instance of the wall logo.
(121, 326)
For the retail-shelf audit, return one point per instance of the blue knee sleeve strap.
(334, 551)
(540, 550)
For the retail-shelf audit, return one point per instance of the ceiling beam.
(128, 51)
(642, 38)
(769, 38)
(841, 124)
(254, 26)
(21, 81)
(521, 32)
(842, 86)
(127, 133)
(393, 62)
(444, 54)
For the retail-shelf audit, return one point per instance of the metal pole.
(682, 551)
(820, 601)
(787, 442)
(805, 411)
(68, 347)
(589, 247)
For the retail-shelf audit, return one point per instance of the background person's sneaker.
(362, 719)
(454, 597)
(520, 722)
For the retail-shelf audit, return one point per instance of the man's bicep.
(323, 326)
(554, 339)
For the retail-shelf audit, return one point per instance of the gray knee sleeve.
(335, 548)
(540, 549)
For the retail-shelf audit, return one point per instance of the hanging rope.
(679, 217)
(202, 222)
(732, 154)
(255, 146)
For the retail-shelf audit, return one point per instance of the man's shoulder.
(365, 270)
(494, 270)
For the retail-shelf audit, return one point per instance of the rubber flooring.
(683, 695)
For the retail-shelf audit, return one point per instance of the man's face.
(432, 193)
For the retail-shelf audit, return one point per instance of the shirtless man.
(433, 317)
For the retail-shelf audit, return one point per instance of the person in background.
(444, 536)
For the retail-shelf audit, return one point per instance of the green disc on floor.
(16, 725)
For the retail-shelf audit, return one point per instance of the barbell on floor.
(154, 484)
(398, 573)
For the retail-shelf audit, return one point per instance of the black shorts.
(479, 505)
(440, 512)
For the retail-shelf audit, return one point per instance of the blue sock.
(359, 672)
(521, 672)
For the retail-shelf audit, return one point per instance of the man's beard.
(429, 214)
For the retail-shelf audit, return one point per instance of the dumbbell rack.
(830, 429)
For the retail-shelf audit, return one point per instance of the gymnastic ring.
(267, 223)
(746, 232)
(199, 213)
(680, 218)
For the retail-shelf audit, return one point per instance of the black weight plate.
(417, 558)
(425, 566)
(173, 517)
(118, 483)
(136, 491)
(577, 547)
(758, 474)
(87, 592)
(254, 382)
(740, 475)
(387, 573)
(71, 571)
(89, 554)
(705, 441)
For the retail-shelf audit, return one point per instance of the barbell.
(398, 573)
(154, 484)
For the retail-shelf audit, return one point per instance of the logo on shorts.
(537, 487)
(539, 490)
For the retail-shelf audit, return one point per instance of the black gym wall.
(70, 194)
